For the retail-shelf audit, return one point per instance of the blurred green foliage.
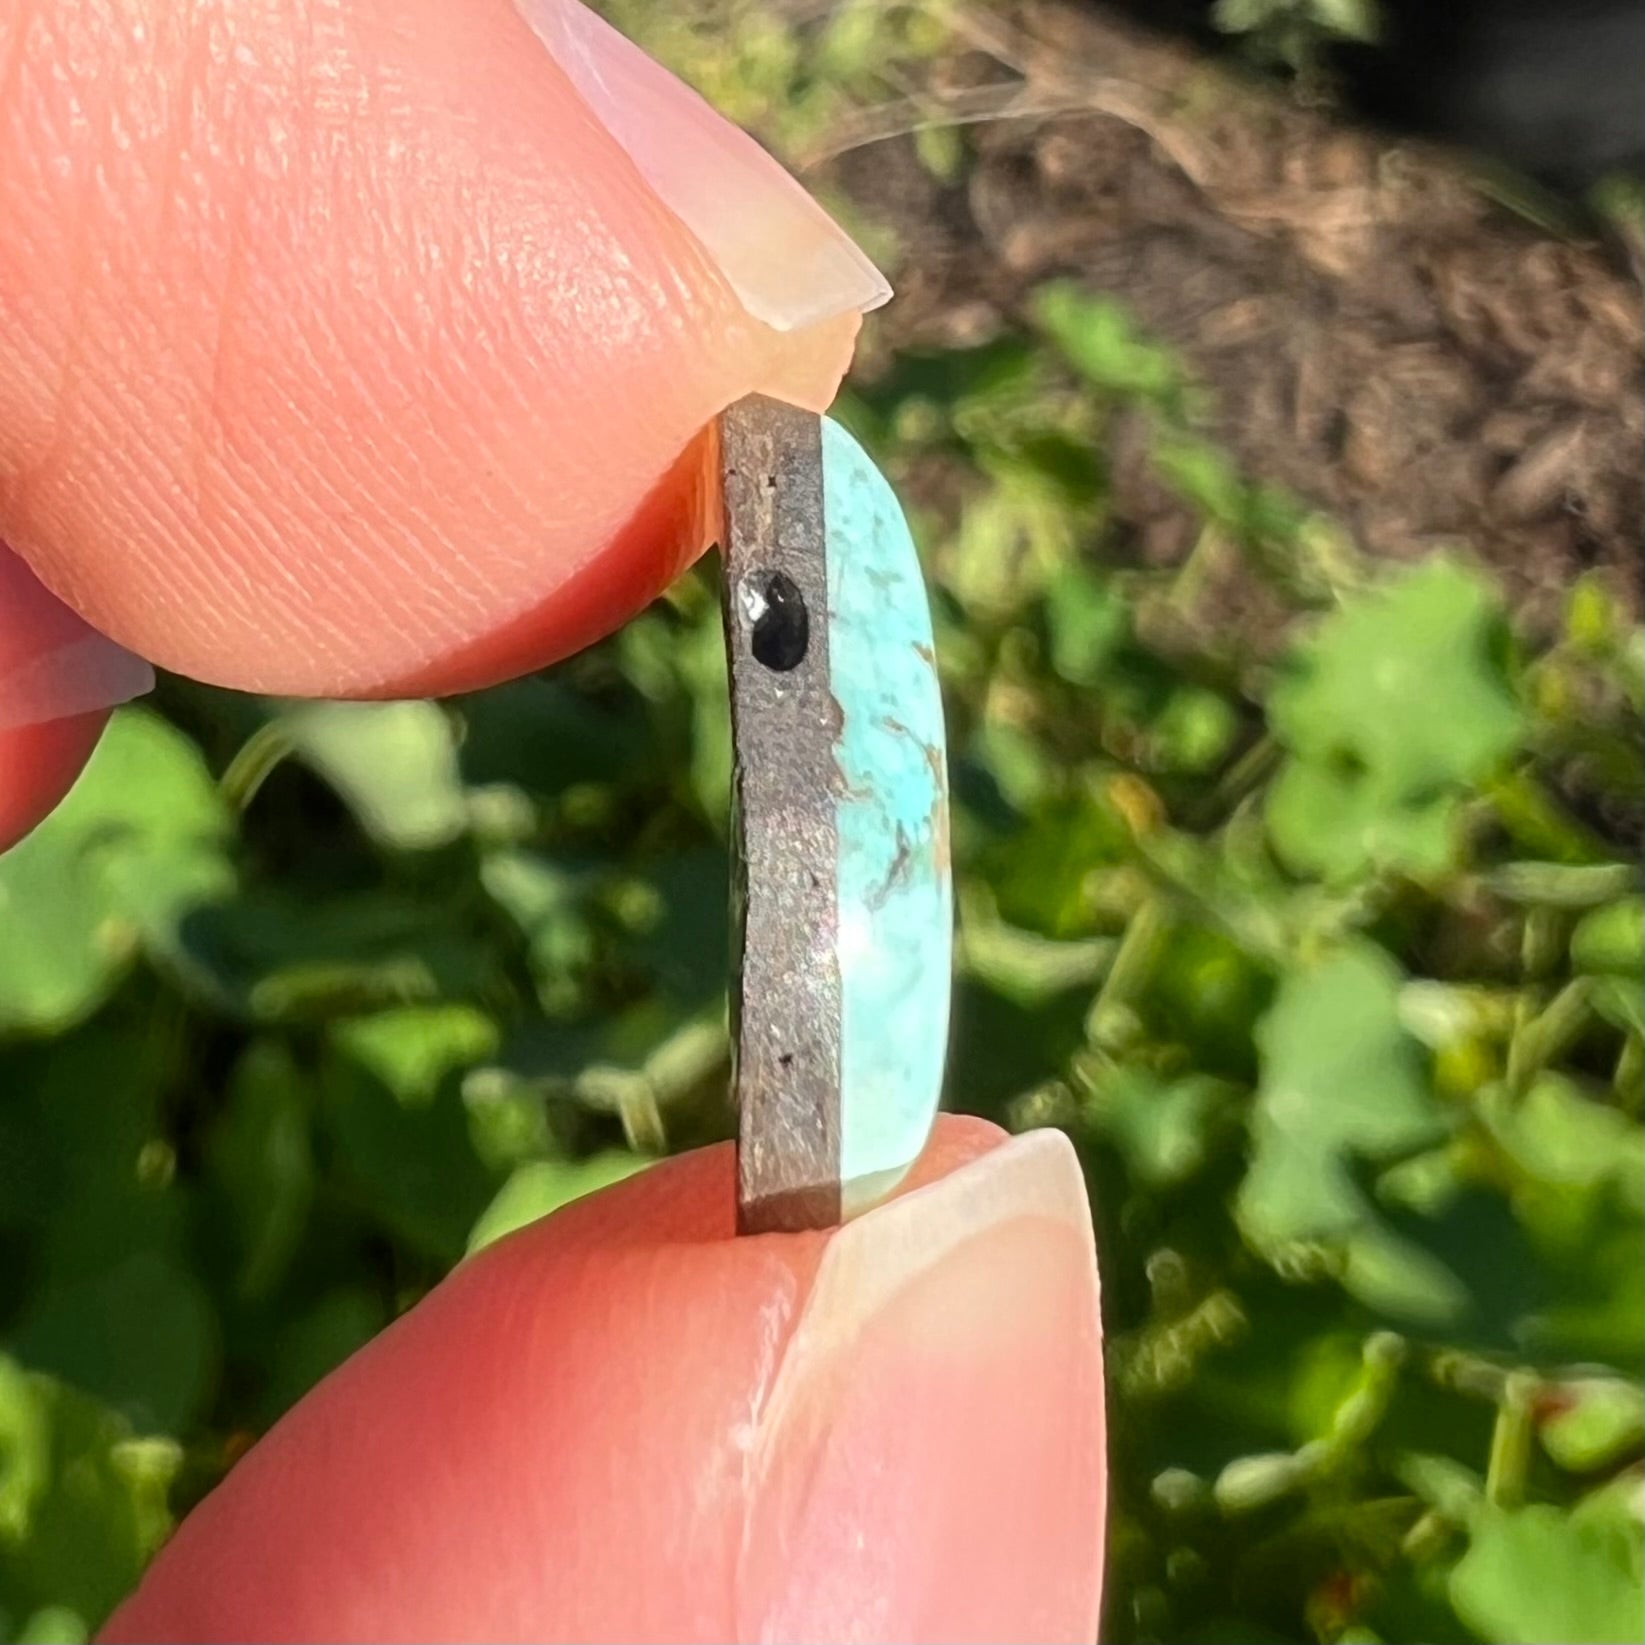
(1296, 33)
(1326, 951)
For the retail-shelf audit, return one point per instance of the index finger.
(365, 347)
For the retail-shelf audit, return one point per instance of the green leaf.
(54, 1625)
(62, 949)
(140, 1336)
(110, 1301)
(985, 386)
(652, 1053)
(1557, 1135)
(1014, 761)
(1597, 1309)
(97, 1510)
(1029, 968)
(1611, 939)
(1242, 16)
(258, 1155)
(1401, 1279)
(138, 840)
(1566, 885)
(1539, 1576)
(1334, 821)
(678, 935)
(1008, 543)
(146, 784)
(1252, 1482)
(549, 902)
(1042, 872)
(1351, 19)
(941, 150)
(699, 655)
(1597, 1422)
(1207, 995)
(393, 1112)
(1161, 1127)
(413, 1050)
(269, 957)
(82, 1113)
(1099, 339)
(1205, 477)
(541, 736)
(1342, 1081)
(1061, 460)
(1619, 1001)
(394, 765)
(25, 1451)
(541, 1186)
(1193, 731)
(1395, 705)
(1088, 623)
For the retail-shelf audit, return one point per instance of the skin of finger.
(58, 683)
(593, 1431)
(342, 349)
(38, 766)
(947, 1454)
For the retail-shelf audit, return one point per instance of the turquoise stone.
(893, 883)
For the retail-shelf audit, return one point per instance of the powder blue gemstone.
(894, 888)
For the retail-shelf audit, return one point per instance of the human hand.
(363, 347)
(626, 1422)
(346, 350)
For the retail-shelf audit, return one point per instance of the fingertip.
(59, 680)
(433, 407)
(789, 264)
(39, 765)
(887, 1431)
(933, 1461)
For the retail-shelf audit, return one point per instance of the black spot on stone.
(782, 631)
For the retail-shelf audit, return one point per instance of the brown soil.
(1382, 337)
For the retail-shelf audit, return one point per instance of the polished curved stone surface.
(893, 887)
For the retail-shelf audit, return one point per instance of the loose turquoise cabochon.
(894, 887)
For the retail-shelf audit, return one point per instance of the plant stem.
(252, 766)
(1511, 1442)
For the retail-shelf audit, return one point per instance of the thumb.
(364, 347)
(624, 1422)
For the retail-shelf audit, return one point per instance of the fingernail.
(787, 260)
(871, 1261)
(934, 1446)
(53, 664)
